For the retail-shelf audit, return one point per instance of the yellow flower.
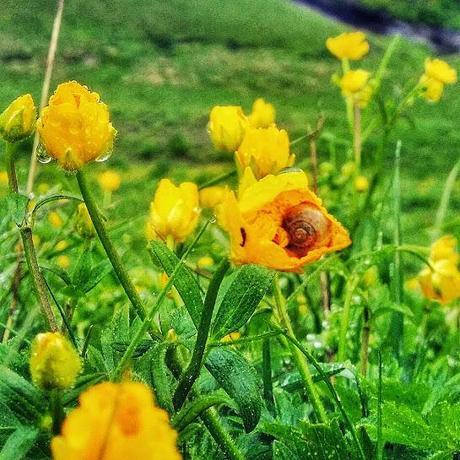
(442, 282)
(18, 120)
(279, 223)
(432, 88)
(265, 151)
(440, 70)
(174, 211)
(75, 128)
(63, 261)
(205, 262)
(444, 249)
(109, 181)
(361, 184)
(349, 45)
(210, 197)
(116, 421)
(227, 125)
(62, 245)
(231, 337)
(83, 223)
(43, 188)
(356, 86)
(54, 362)
(55, 219)
(3, 178)
(262, 115)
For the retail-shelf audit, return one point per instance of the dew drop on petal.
(104, 156)
(42, 154)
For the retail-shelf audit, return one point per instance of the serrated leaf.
(241, 299)
(185, 283)
(24, 400)
(19, 443)
(98, 272)
(225, 365)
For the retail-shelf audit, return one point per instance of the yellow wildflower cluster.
(109, 181)
(356, 85)
(116, 422)
(438, 73)
(54, 362)
(441, 281)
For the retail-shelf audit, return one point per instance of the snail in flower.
(305, 226)
(279, 223)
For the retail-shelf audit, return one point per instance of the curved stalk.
(297, 355)
(29, 249)
(110, 250)
(193, 370)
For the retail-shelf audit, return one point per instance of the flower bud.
(55, 219)
(18, 120)
(174, 211)
(83, 223)
(210, 197)
(54, 363)
(75, 127)
(361, 184)
(349, 45)
(265, 151)
(109, 181)
(226, 127)
(262, 115)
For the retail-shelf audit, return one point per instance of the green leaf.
(185, 283)
(240, 381)
(24, 400)
(17, 207)
(19, 443)
(241, 299)
(310, 442)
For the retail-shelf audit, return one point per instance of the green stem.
(357, 135)
(444, 203)
(297, 355)
(380, 443)
(57, 410)
(348, 102)
(193, 370)
(365, 332)
(29, 249)
(218, 179)
(267, 376)
(345, 320)
(397, 319)
(10, 168)
(112, 254)
(151, 313)
(209, 417)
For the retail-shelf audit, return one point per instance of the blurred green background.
(161, 66)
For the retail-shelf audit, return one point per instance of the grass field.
(161, 66)
(270, 327)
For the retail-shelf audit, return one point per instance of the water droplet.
(42, 154)
(104, 156)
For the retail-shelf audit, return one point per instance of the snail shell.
(305, 225)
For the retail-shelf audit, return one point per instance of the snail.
(306, 226)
